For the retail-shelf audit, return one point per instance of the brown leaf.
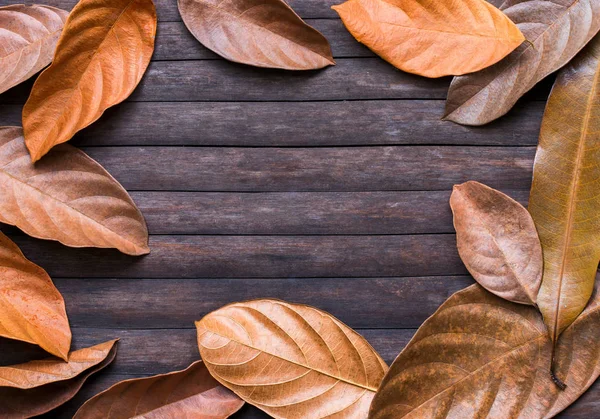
(37, 387)
(556, 31)
(191, 393)
(482, 356)
(263, 33)
(565, 198)
(100, 58)
(28, 36)
(290, 360)
(498, 242)
(432, 38)
(66, 197)
(31, 308)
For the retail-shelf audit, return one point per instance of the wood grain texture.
(337, 169)
(283, 124)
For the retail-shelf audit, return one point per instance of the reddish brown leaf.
(498, 242)
(191, 394)
(556, 31)
(28, 36)
(482, 356)
(100, 58)
(67, 197)
(263, 33)
(31, 308)
(37, 387)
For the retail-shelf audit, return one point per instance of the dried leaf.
(100, 58)
(31, 308)
(37, 387)
(263, 33)
(28, 36)
(66, 197)
(556, 31)
(482, 356)
(191, 393)
(565, 199)
(498, 242)
(433, 38)
(290, 360)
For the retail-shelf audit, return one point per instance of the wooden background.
(326, 187)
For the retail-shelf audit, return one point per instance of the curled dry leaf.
(290, 360)
(482, 356)
(263, 33)
(556, 31)
(28, 36)
(37, 387)
(191, 393)
(67, 197)
(432, 38)
(565, 198)
(498, 242)
(31, 308)
(100, 58)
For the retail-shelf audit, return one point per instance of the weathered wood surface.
(328, 188)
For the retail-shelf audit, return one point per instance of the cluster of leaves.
(518, 344)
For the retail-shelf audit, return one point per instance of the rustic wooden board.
(328, 188)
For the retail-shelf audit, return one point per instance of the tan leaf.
(556, 31)
(498, 242)
(432, 38)
(100, 58)
(37, 387)
(191, 394)
(67, 197)
(31, 308)
(290, 360)
(263, 33)
(565, 198)
(482, 356)
(28, 36)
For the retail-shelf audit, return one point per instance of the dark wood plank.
(256, 257)
(175, 42)
(178, 303)
(290, 213)
(283, 124)
(340, 169)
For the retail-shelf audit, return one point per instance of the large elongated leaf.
(66, 197)
(31, 308)
(498, 242)
(191, 393)
(482, 356)
(556, 31)
(565, 198)
(432, 38)
(292, 361)
(37, 387)
(28, 36)
(263, 33)
(100, 58)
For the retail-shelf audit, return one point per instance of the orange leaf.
(28, 37)
(263, 33)
(31, 308)
(191, 393)
(37, 387)
(100, 58)
(67, 197)
(432, 38)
